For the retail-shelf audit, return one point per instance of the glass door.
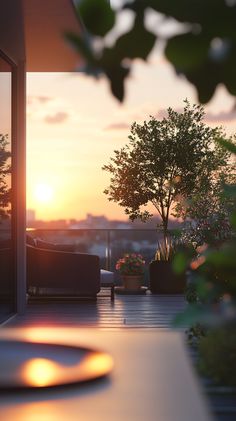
(7, 273)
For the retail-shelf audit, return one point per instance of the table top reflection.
(152, 379)
(32, 365)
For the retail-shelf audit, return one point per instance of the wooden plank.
(136, 311)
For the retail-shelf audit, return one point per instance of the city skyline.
(97, 222)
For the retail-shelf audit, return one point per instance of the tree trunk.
(165, 231)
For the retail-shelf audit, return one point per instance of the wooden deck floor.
(127, 311)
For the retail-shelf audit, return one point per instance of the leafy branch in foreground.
(203, 48)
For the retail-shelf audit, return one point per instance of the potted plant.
(131, 268)
(163, 279)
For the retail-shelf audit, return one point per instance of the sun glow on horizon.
(43, 193)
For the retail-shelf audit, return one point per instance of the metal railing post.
(108, 250)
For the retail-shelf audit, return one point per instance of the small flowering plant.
(131, 264)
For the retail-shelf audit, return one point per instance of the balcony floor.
(127, 311)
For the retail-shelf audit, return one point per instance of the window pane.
(7, 286)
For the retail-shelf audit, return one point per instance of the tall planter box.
(163, 280)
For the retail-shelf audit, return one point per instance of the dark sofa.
(62, 273)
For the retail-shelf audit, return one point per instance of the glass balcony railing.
(108, 244)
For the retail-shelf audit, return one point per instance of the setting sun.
(43, 193)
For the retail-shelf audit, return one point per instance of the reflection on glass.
(7, 287)
(5, 172)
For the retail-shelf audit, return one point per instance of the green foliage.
(205, 51)
(217, 351)
(214, 287)
(207, 212)
(168, 248)
(136, 43)
(229, 145)
(164, 162)
(210, 219)
(195, 334)
(190, 293)
(4, 171)
(165, 250)
(97, 16)
(212, 298)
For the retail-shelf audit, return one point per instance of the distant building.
(91, 221)
(30, 215)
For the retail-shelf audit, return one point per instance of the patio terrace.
(127, 311)
(136, 311)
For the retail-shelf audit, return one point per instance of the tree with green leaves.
(4, 172)
(165, 162)
(203, 48)
(207, 214)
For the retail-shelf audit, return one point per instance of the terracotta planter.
(163, 280)
(132, 282)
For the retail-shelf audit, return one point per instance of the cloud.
(47, 109)
(222, 116)
(162, 113)
(58, 117)
(117, 126)
(40, 99)
(44, 99)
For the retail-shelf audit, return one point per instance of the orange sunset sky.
(74, 125)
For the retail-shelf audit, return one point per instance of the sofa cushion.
(107, 277)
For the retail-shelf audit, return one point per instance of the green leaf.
(180, 263)
(97, 16)
(231, 147)
(224, 258)
(203, 64)
(229, 68)
(81, 45)
(214, 16)
(233, 217)
(230, 191)
(205, 79)
(187, 51)
(189, 54)
(180, 10)
(136, 43)
(117, 77)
